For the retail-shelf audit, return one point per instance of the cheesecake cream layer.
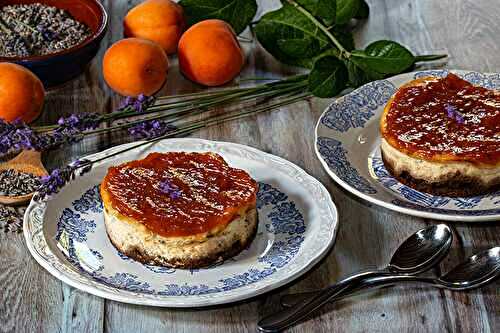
(137, 241)
(438, 172)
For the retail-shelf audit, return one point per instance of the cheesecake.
(179, 209)
(442, 136)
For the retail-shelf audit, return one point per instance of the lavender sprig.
(139, 104)
(58, 178)
(52, 183)
(150, 129)
(453, 113)
(17, 135)
(80, 121)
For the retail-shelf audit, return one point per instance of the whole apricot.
(209, 53)
(135, 66)
(21, 93)
(161, 21)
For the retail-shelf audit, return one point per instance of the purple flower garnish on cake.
(171, 189)
(453, 113)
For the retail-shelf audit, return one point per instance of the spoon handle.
(289, 316)
(291, 300)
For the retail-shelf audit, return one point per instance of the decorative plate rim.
(389, 205)
(71, 276)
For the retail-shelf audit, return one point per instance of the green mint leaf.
(299, 47)
(346, 10)
(328, 77)
(363, 10)
(359, 76)
(325, 10)
(238, 13)
(344, 36)
(279, 33)
(383, 56)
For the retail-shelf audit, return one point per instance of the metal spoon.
(475, 272)
(418, 253)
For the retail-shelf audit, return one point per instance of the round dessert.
(178, 209)
(442, 136)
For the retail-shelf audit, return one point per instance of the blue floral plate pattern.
(347, 144)
(297, 226)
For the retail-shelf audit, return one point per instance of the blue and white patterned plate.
(297, 225)
(347, 144)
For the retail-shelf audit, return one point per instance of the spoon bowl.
(418, 253)
(477, 270)
(28, 161)
(422, 250)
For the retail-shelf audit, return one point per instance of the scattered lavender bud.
(11, 219)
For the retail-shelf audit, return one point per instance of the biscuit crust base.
(456, 185)
(140, 255)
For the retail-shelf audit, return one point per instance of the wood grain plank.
(30, 298)
(81, 312)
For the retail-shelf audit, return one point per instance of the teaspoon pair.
(419, 253)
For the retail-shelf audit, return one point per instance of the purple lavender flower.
(171, 189)
(17, 135)
(70, 128)
(453, 113)
(126, 102)
(80, 121)
(150, 129)
(139, 104)
(52, 183)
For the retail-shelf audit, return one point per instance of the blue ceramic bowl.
(57, 68)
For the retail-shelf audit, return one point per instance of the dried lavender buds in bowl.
(14, 183)
(36, 29)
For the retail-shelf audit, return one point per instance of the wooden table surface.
(31, 300)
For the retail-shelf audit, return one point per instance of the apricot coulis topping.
(447, 116)
(180, 194)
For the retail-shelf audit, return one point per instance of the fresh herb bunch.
(314, 34)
